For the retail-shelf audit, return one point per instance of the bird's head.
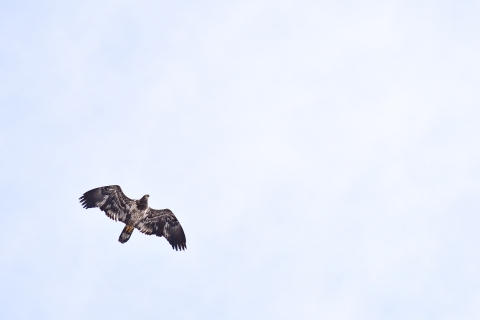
(143, 203)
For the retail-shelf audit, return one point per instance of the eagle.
(135, 214)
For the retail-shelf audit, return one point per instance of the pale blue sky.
(322, 157)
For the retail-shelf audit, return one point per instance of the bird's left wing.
(164, 223)
(111, 200)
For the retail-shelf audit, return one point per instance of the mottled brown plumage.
(135, 214)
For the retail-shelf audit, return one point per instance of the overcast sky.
(321, 156)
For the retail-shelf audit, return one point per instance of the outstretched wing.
(111, 200)
(164, 223)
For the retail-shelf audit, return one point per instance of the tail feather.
(126, 233)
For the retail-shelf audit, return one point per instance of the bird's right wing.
(111, 200)
(164, 223)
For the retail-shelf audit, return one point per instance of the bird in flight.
(135, 214)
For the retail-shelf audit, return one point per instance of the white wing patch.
(103, 201)
(165, 230)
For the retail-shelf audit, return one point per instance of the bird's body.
(135, 214)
